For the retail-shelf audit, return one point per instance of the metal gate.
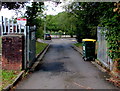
(9, 27)
(102, 55)
(31, 45)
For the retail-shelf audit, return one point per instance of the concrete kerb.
(77, 49)
(20, 75)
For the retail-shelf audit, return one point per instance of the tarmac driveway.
(64, 68)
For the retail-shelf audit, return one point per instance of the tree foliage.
(61, 22)
(33, 12)
(87, 14)
(13, 5)
(111, 22)
(33, 15)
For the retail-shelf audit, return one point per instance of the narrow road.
(64, 68)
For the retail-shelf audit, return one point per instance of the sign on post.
(21, 21)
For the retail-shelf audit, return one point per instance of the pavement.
(44, 41)
(64, 68)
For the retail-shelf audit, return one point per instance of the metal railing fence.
(102, 55)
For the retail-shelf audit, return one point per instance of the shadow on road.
(52, 67)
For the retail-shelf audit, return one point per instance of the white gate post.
(8, 26)
(4, 23)
(16, 28)
(20, 29)
(25, 51)
(1, 25)
(12, 27)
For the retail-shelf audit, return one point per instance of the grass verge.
(79, 45)
(0, 47)
(0, 44)
(40, 47)
(8, 76)
(0, 41)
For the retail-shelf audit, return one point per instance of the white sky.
(51, 10)
(9, 13)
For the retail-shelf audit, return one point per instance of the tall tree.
(62, 21)
(33, 15)
(33, 12)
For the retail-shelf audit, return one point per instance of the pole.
(2, 26)
(44, 26)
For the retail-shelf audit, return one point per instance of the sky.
(50, 6)
(9, 13)
(52, 9)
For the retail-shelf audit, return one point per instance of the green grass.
(8, 76)
(78, 44)
(0, 47)
(40, 47)
(0, 39)
(0, 44)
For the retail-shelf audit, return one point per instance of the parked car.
(47, 37)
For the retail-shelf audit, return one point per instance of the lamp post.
(44, 25)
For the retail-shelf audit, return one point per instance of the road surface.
(64, 68)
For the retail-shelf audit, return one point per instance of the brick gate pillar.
(12, 52)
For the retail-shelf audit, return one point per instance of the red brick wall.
(12, 52)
